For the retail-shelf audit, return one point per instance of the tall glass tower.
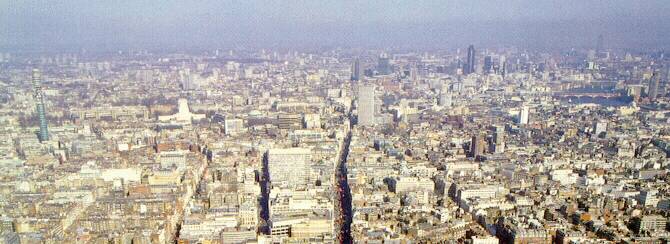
(356, 70)
(653, 86)
(41, 110)
(471, 60)
(384, 65)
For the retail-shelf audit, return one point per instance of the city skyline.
(283, 122)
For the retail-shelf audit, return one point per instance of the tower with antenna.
(41, 109)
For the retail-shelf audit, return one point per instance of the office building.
(289, 121)
(648, 197)
(654, 81)
(499, 139)
(366, 105)
(650, 223)
(413, 184)
(356, 70)
(477, 146)
(289, 167)
(384, 65)
(470, 65)
(488, 64)
(523, 115)
(503, 66)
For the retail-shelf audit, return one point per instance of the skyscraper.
(488, 64)
(653, 86)
(41, 110)
(503, 66)
(356, 70)
(384, 65)
(470, 65)
(477, 146)
(366, 105)
(498, 139)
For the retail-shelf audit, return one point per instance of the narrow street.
(344, 194)
(263, 201)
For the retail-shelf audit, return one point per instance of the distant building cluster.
(473, 146)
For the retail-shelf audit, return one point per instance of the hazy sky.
(161, 24)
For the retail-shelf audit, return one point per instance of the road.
(344, 194)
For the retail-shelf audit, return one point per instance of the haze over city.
(272, 122)
(109, 25)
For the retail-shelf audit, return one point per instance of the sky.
(420, 24)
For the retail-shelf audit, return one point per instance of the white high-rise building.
(289, 167)
(523, 115)
(366, 105)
